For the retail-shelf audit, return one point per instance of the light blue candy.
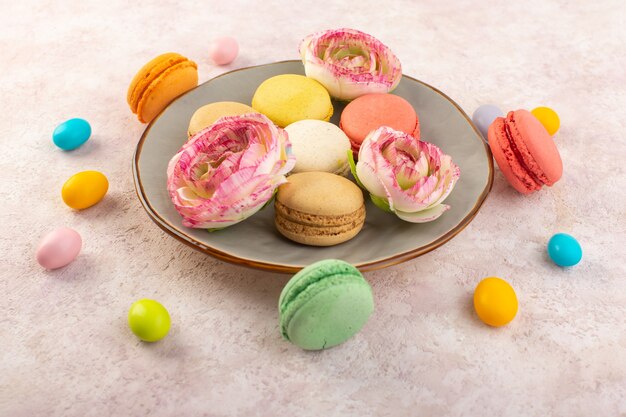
(564, 250)
(71, 134)
(484, 116)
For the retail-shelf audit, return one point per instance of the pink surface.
(65, 346)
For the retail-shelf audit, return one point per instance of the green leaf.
(381, 203)
(353, 168)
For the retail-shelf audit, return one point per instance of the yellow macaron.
(206, 115)
(288, 98)
(158, 83)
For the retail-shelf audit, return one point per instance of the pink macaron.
(371, 111)
(524, 151)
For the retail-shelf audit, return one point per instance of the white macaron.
(319, 146)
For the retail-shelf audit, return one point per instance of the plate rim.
(282, 268)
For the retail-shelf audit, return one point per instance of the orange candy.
(495, 301)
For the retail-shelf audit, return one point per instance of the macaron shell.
(305, 214)
(540, 145)
(313, 273)
(287, 98)
(417, 132)
(319, 146)
(210, 113)
(173, 82)
(317, 230)
(524, 151)
(332, 316)
(308, 192)
(313, 315)
(147, 74)
(320, 220)
(306, 290)
(371, 111)
(513, 171)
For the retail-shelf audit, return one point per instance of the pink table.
(65, 349)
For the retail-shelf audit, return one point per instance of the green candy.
(324, 305)
(149, 320)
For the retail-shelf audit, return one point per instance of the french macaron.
(319, 209)
(287, 98)
(319, 146)
(208, 114)
(324, 305)
(524, 151)
(159, 82)
(371, 111)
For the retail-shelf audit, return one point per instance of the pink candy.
(223, 50)
(59, 248)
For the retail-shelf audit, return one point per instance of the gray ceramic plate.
(384, 240)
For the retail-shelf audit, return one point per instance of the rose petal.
(350, 63)
(369, 179)
(423, 216)
(228, 171)
(412, 177)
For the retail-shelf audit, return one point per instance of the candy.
(84, 189)
(71, 134)
(223, 51)
(149, 320)
(59, 248)
(548, 118)
(564, 250)
(495, 301)
(484, 116)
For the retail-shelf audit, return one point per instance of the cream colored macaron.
(206, 115)
(319, 209)
(319, 146)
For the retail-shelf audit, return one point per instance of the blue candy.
(71, 134)
(564, 250)
(484, 116)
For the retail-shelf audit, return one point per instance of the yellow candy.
(495, 301)
(84, 189)
(149, 320)
(548, 118)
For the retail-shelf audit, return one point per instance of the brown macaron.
(319, 209)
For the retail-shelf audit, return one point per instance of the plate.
(384, 240)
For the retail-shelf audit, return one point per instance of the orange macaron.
(159, 82)
(371, 111)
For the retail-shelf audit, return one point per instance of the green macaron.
(324, 305)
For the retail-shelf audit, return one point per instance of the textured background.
(65, 349)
